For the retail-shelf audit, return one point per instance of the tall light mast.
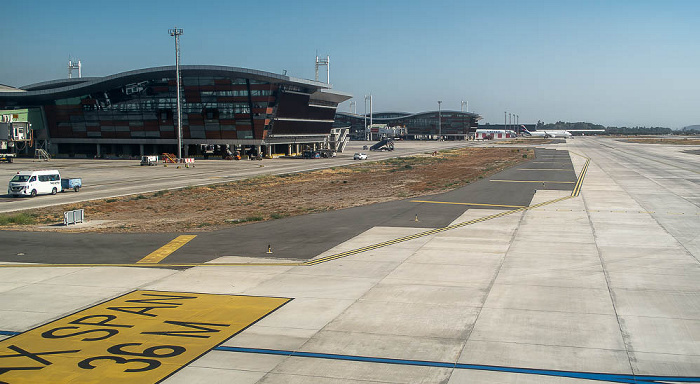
(439, 120)
(366, 98)
(370, 114)
(176, 32)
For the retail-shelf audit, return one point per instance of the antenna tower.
(324, 62)
(73, 64)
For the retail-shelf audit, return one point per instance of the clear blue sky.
(633, 62)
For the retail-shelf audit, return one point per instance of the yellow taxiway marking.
(165, 251)
(429, 232)
(310, 262)
(153, 265)
(581, 176)
(574, 193)
(478, 204)
(543, 162)
(534, 181)
(140, 337)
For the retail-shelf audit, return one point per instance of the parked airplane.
(546, 134)
(556, 133)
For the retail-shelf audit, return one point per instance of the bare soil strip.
(217, 206)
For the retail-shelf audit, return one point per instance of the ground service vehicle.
(73, 184)
(32, 183)
(12, 133)
(383, 145)
(360, 156)
(149, 160)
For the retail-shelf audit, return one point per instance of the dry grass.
(273, 197)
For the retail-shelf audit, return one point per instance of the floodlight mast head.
(175, 31)
(72, 64)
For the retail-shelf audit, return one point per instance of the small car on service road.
(360, 156)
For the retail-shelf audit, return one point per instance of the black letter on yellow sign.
(143, 311)
(50, 334)
(32, 355)
(172, 350)
(157, 299)
(107, 319)
(182, 333)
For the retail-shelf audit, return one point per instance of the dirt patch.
(273, 197)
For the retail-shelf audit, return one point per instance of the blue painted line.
(607, 377)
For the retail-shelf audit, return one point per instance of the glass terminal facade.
(220, 105)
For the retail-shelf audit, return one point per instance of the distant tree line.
(565, 126)
(561, 125)
(639, 131)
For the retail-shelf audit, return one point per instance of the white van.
(33, 183)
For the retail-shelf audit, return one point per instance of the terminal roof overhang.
(63, 88)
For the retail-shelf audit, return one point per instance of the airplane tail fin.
(525, 131)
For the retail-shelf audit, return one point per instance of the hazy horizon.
(614, 63)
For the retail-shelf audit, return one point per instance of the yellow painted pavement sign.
(141, 337)
(165, 251)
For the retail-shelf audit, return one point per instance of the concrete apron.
(559, 287)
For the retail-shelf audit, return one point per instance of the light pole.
(177, 32)
(439, 121)
(370, 116)
(366, 98)
(468, 124)
(505, 120)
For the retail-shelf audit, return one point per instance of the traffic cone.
(416, 217)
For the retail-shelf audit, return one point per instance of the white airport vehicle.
(149, 160)
(360, 156)
(32, 183)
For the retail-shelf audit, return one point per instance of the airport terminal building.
(454, 125)
(135, 113)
